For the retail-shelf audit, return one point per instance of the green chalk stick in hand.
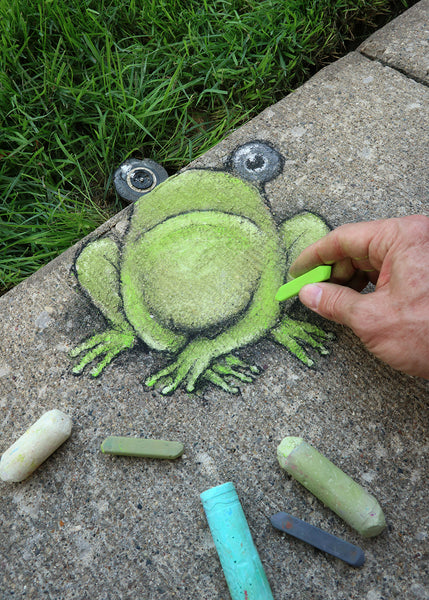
(293, 287)
(127, 446)
(334, 488)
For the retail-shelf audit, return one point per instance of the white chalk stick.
(35, 445)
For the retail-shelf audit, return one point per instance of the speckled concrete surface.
(404, 43)
(87, 525)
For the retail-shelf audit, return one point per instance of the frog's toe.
(163, 386)
(151, 381)
(88, 358)
(172, 385)
(213, 377)
(77, 369)
(299, 352)
(163, 380)
(233, 361)
(225, 370)
(89, 344)
(75, 352)
(96, 371)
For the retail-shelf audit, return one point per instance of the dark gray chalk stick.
(353, 555)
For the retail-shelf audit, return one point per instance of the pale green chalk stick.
(127, 446)
(334, 488)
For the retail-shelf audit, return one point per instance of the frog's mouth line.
(191, 212)
(208, 332)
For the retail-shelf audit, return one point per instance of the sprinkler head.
(134, 178)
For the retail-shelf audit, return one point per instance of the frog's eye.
(134, 178)
(257, 162)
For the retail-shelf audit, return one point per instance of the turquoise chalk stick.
(293, 287)
(128, 446)
(238, 555)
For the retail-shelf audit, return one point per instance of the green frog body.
(195, 276)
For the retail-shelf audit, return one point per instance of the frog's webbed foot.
(110, 344)
(197, 362)
(290, 333)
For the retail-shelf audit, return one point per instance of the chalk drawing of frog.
(196, 274)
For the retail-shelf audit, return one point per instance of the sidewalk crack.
(395, 68)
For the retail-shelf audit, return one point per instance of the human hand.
(393, 254)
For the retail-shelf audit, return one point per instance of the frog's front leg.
(97, 270)
(297, 233)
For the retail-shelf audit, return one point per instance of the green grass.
(85, 84)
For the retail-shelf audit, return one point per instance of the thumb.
(334, 302)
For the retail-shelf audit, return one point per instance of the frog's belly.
(199, 270)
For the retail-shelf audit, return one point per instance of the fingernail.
(310, 295)
(292, 270)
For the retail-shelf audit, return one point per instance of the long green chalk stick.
(127, 446)
(334, 488)
(292, 288)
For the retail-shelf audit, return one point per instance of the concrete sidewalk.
(354, 142)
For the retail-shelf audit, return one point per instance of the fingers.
(364, 244)
(393, 321)
(353, 273)
(335, 302)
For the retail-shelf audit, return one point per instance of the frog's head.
(257, 162)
